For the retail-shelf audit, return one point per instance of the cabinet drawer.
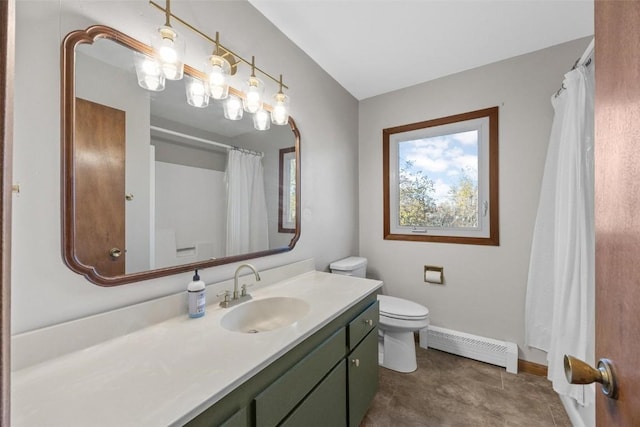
(276, 401)
(361, 325)
(326, 405)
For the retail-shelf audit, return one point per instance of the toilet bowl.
(399, 319)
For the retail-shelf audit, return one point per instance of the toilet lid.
(399, 308)
(348, 264)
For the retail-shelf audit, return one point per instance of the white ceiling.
(376, 46)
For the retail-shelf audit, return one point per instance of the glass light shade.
(233, 108)
(261, 120)
(197, 95)
(149, 72)
(253, 95)
(280, 111)
(218, 71)
(169, 49)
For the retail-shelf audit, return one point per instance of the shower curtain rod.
(206, 141)
(585, 59)
(586, 56)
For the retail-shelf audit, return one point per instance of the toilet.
(399, 320)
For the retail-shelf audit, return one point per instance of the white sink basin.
(265, 315)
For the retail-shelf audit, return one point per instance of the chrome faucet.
(235, 280)
(238, 297)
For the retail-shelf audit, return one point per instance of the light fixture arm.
(167, 21)
(280, 83)
(220, 51)
(168, 13)
(217, 42)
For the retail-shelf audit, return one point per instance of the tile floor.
(452, 391)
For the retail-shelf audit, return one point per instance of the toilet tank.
(352, 266)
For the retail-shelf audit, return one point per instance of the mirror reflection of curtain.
(247, 225)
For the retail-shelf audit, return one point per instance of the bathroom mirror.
(146, 192)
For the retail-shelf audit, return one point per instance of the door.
(7, 52)
(617, 202)
(100, 187)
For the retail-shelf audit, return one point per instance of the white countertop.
(168, 373)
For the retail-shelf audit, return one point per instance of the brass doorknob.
(115, 253)
(579, 372)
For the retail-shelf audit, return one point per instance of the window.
(287, 191)
(441, 180)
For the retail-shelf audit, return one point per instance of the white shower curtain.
(559, 309)
(247, 224)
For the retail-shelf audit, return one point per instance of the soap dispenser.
(196, 293)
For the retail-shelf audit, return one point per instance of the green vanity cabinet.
(362, 377)
(314, 384)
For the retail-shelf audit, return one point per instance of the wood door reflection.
(100, 186)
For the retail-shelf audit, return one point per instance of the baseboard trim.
(571, 408)
(532, 368)
(523, 365)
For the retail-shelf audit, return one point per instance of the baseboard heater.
(500, 353)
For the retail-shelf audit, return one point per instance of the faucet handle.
(244, 289)
(226, 294)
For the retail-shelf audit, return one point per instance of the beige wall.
(485, 286)
(44, 290)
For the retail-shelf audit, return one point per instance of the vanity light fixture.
(233, 108)
(149, 72)
(280, 111)
(254, 91)
(218, 69)
(169, 48)
(261, 120)
(197, 94)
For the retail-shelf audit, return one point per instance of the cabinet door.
(362, 377)
(239, 419)
(326, 405)
(277, 400)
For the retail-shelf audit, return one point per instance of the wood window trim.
(281, 189)
(494, 235)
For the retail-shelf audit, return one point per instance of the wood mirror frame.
(68, 172)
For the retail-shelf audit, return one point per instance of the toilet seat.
(401, 309)
(399, 325)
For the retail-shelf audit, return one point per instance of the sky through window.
(444, 159)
